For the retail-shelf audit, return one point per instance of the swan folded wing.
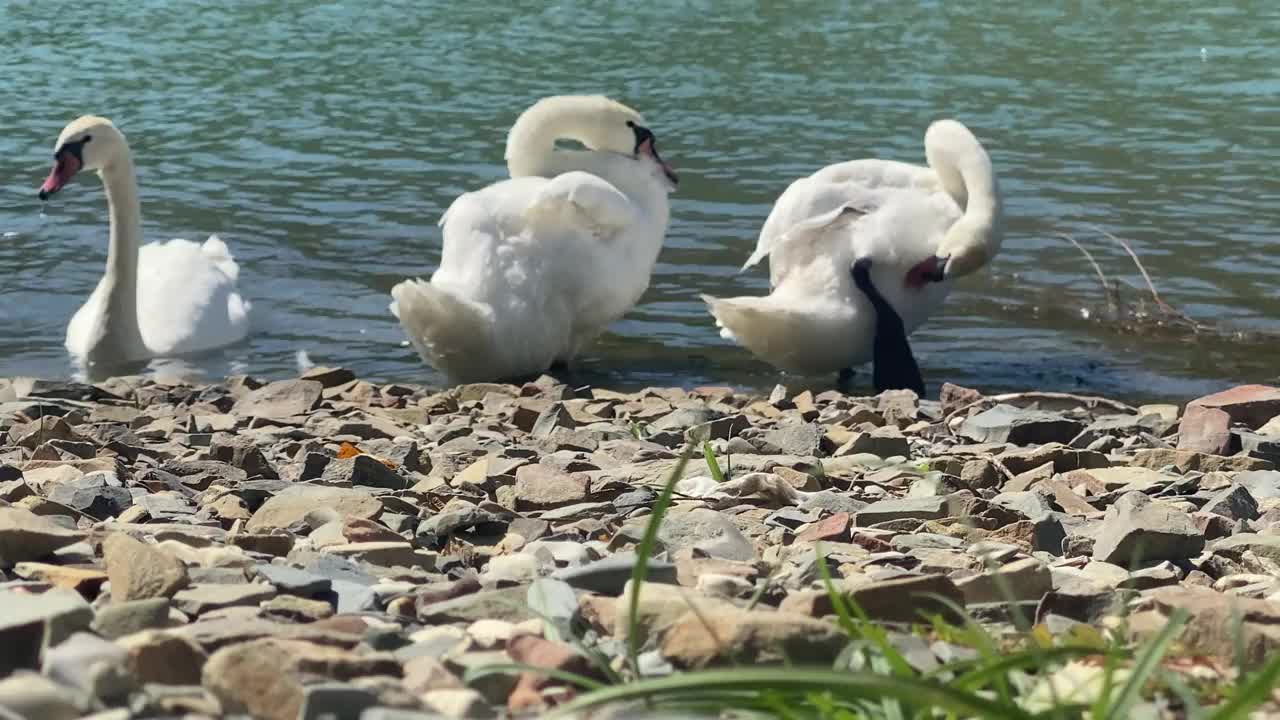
(592, 201)
(810, 204)
(797, 242)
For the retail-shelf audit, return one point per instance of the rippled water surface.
(324, 140)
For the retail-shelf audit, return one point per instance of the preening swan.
(536, 267)
(153, 301)
(922, 226)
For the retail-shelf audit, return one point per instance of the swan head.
(965, 171)
(87, 143)
(600, 123)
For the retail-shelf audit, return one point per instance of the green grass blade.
(1250, 694)
(643, 552)
(794, 683)
(712, 465)
(1146, 665)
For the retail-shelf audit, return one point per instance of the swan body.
(535, 267)
(922, 226)
(160, 300)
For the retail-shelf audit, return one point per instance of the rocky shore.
(326, 547)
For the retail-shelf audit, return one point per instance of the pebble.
(328, 547)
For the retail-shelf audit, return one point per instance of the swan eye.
(87, 138)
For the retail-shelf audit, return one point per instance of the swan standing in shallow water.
(537, 266)
(921, 226)
(160, 300)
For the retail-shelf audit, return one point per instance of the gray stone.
(803, 439)
(1137, 530)
(29, 696)
(919, 508)
(702, 529)
(608, 575)
(125, 618)
(1006, 423)
(200, 599)
(1235, 503)
(30, 622)
(138, 571)
(1261, 484)
(90, 664)
(1267, 546)
(505, 604)
(363, 470)
(281, 400)
(335, 701)
(26, 536)
(1020, 580)
(293, 505)
(294, 581)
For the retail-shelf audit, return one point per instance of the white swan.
(536, 267)
(154, 301)
(922, 227)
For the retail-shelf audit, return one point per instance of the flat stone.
(138, 571)
(1251, 405)
(86, 581)
(26, 536)
(30, 622)
(733, 637)
(610, 574)
(1021, 580)
(504, 604)
(921, 508)
(883, 442)
(1137, 530)
(1189, 460)
(1219, 624)
(200, 599)
(1236, 503)
(1205, 429)
(834, 528)
(1006, 423)
(335, 700)
(540, 487)
(1267, 546)
(125, 618)
(294, 581)
(903, 599)
(701, 529)
(363, 470)
(293, 504)
(28, 696)
(281, 400)
(803, 439)
(265, 678)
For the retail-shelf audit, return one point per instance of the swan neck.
(967, 175)
(531, 144)
(120, 282)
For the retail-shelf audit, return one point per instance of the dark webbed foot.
(893, 365)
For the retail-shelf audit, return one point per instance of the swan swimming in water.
(922, 227)
(160, 300)
(535, 267)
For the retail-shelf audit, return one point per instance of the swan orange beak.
(65, 166)
(648, 147)
(926, 271)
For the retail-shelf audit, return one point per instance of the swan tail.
(785, 337)
(445, 329)
(217, 252)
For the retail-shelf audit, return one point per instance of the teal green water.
(324, 140)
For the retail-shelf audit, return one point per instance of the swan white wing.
(586, 202)
(853, 183)
(187, 297)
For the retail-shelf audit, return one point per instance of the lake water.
(324, 140)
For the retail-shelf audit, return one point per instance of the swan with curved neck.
(537, 266)
(153, 301)
(924, 227)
